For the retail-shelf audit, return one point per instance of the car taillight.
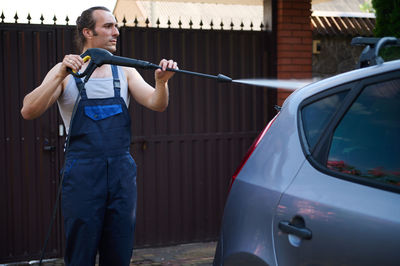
(250, 151)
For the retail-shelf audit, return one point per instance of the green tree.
(387, 17)
(387, 14)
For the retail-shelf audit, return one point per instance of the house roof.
(347, 24)
(338, 5)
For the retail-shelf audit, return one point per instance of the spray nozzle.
(223, 78)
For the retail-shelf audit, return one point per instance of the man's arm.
(156, 98)
(40, 99)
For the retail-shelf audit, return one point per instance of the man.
(99, 186)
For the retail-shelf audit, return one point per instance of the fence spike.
(147, 22)
(180, 23)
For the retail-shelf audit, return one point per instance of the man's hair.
(86, 20)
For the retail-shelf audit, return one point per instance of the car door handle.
(296, 230)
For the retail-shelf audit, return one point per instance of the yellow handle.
(85, 59)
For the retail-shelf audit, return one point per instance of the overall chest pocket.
(99, 112)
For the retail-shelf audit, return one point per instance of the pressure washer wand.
(100, 57)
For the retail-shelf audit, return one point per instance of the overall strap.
(81, 87)
(117, 84)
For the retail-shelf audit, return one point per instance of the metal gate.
(185, 155)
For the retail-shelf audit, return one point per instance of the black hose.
(55, 208)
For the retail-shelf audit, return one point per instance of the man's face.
(105, 31)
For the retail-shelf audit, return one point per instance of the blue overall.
(99, 186)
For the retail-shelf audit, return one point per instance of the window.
(316, 116)
(366, 142)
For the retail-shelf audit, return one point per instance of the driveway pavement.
(185, 254)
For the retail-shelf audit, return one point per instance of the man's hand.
(73, 61)
(161, 75)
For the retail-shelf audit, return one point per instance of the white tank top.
(95, 88)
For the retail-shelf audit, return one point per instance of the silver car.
(321, 184)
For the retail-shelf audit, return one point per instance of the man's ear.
(88, 33)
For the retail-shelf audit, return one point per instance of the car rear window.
(366, 142)
(316, 115)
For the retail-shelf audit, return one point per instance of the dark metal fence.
(185, 155)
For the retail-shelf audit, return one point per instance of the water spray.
(291, 84)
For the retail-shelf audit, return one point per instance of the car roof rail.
(370, 54)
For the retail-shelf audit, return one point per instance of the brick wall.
(294, 42)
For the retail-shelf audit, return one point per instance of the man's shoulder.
(129, 71)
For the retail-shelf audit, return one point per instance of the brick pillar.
(294, 42)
